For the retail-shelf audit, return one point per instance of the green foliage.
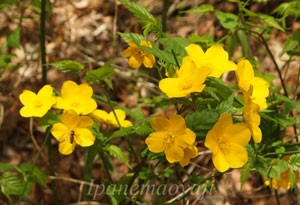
(286, 9)
(146, 18)
(227, 20)
(7, 3)
(128, 36)
(292, 42)
(100, 74)
(13, 39)
(118, 153)
(203, 9)
(67, 66)
(19, 180)
(294, 162)
(201, 122)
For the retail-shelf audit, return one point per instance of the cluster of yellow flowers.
(226, 140)
(79, 112)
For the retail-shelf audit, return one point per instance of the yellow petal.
(178, 124)
(87, 106)
(149, 60)
(155, 142)
(85, 90)
(160, 123)
(45, 92)
(190, 152)
(224, 121)
(100, 115)
(68, 89)
(70, 118)
(195, 51)
(174, 153)
(129, 52)
(135, 61)
(236, 156)
(60, 131)
(244, 74)
(121, 115)
(27, 97)
(174, 87)
(65, 147)
(146, 43)
(211, 142)
(84, 137)
(27, 111)
(186, 139)
(126, 123)
(239, 133)
(85, 122)
(220, 162)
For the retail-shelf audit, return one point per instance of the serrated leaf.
(203, 9)
(34, 173)
(227, 20)
(261, 165)
(294, 162)
(118, 153)
(103, 73)
(13, 39)
(201, 122)
(11, 185)
(176, 45)
(292, 42)
(124, 131)
(128, 36)
(144, 129)
(67, 66)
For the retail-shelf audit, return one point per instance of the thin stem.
(105, 166)
(165, 14)
(34, 163)
(277, 197)
(281, 153)
(43, 41)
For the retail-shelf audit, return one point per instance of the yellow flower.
(171, 137)
(137, 56)
(189, 153)
(215, 58)
(73, 130)
(227, 143)
(188, 79)
(284, 182)
(246, 78)
(37, 105)
(252, 117)
(76, 97)
(110, 119)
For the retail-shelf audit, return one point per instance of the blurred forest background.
(87, 31)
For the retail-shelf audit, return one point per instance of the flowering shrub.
(236, 124)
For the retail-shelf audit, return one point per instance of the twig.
(43, 41)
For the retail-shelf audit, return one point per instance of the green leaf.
(294, 162)
(227, 20)
(144, 129)
(7, 167)
(11, 185)
(246, 169)
(146, 18)
(176, 45)
(270, 21)
(34, 173)
(261, 165)
(103, 73)
(118, 153)
(67, 66)
(201, 122)
(13, 39)
(128, 36)
(124, 131)
(292, 42)
(203, 9)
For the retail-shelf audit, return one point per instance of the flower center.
(75, 104)
(187, 85)
(169, 138)
(224, 145)
(38, 103)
